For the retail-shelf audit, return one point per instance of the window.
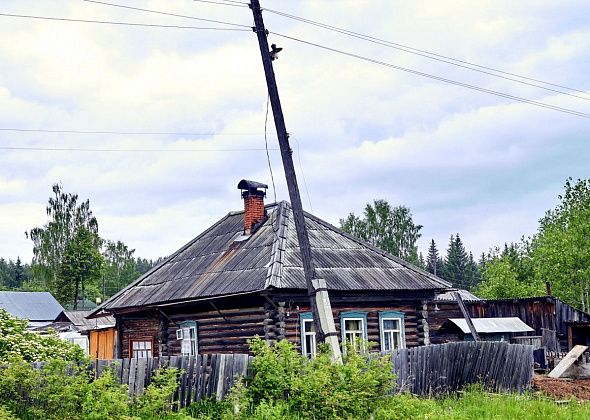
(142, 348)
(308, 343)
(391, 325)
(353, 326)
(187, 334)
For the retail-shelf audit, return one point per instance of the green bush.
(105, 399)
(5, 414)
(156, 402)
(17, 342)
(287, 384)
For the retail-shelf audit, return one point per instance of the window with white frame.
(353, 326)
(141, 348)
(187, 335)
(391, 327)
(308, 342)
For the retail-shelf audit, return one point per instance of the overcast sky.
(464, 161)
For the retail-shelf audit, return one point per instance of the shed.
(490, 329)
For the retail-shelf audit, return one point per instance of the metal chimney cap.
(245, 184)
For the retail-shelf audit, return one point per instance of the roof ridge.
(275, 268)
(386, 254)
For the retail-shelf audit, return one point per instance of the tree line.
(70, 259)
(393, 229)
(557, 254)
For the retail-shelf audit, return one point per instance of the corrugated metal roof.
(466, 295)
(493, 325)
(81, 323)
(34, 306)
(218, 262)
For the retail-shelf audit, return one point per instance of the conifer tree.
(434, 264)
(456, 263)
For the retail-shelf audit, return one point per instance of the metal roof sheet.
(493, 325)
(34, 306)
(466, 295)
(215, 263)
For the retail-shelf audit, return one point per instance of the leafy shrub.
(54, 391)
(5, 414)
(105, 399)
(284, 381)
(17, 342)
(157, 401)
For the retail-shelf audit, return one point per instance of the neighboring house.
(97, 336)
(243, 277)
(40, 308)
(546, 315)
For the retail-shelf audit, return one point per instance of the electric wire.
(272, 178)
(424, 53)
(126, 133)
(166, 13)
(303, 173)
(223, 4)
(127, 150)
(106, 22)
(438, 78)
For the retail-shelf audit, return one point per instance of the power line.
(428, 54)
(126, 133)
(272, 178)
(105, 22)
(235, 4)
(166, 13)
(438, 78)
(78, 149)
(303, 173)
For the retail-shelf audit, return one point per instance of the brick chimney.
(253, 195)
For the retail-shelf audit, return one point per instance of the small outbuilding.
(489, 329)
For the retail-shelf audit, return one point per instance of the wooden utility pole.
(316, 288)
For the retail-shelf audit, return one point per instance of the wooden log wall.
(138, 327)
(537, 313)
(226, 330)
(439, 313)
(414, 327)
(445, 368)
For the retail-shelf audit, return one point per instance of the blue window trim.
(353, 315)
(186, 324)
(304, 316)
(392, 315)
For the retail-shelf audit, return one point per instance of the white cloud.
(463, 161)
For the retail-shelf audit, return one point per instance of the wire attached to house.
(167, 14)
(433, 56)
(303, 174)
(274, 189)
(106, 22)
(438, 78)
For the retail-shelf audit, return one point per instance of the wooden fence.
(204, 375)
(426, 370)
(444, 368)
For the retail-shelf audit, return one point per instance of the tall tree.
(81, 267)
(561, 249)
(66, 216)
(434, 264)
(456, 262)
(120, 268)
(389, 228)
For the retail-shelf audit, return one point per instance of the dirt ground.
(563, 389)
